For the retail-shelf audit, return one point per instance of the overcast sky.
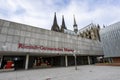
(40, 13)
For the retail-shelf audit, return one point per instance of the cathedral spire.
(55, 26)
(63, 23)
(63, 26)
(75, 25)
(55, 19)
(74, 21)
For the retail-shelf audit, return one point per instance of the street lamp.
(75, 60)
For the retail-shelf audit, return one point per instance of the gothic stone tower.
(55, 26)
(75, 25)
(63, 26)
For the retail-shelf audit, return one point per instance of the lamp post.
(75, 60)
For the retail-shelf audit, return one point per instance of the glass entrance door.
(19, 62)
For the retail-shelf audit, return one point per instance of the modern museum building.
(26, 47)
(110, 37)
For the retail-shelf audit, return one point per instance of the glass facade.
(110, 37)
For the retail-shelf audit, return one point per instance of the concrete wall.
(13, 33)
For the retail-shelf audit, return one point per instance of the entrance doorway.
(45, 61)
(18, 61)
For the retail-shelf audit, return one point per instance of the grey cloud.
(40, 12)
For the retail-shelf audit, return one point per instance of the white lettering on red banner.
(25, 46)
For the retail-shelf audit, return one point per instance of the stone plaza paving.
(88, 72)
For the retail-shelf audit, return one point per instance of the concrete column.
(66, 61)
(110, 60)
(89, 60)
(27, 61)
(1, 58)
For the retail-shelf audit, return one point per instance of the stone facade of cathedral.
(90, 32)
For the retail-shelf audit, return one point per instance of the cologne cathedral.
(91, 31)
(63, 28)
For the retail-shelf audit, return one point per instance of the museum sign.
(25, 46)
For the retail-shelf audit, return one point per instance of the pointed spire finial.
(75, 25)
(55, 19)
(55, 26)
(63, 23)
(74, 20)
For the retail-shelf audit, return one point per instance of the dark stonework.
(75, 26)
(63, 26)
(55, 26)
